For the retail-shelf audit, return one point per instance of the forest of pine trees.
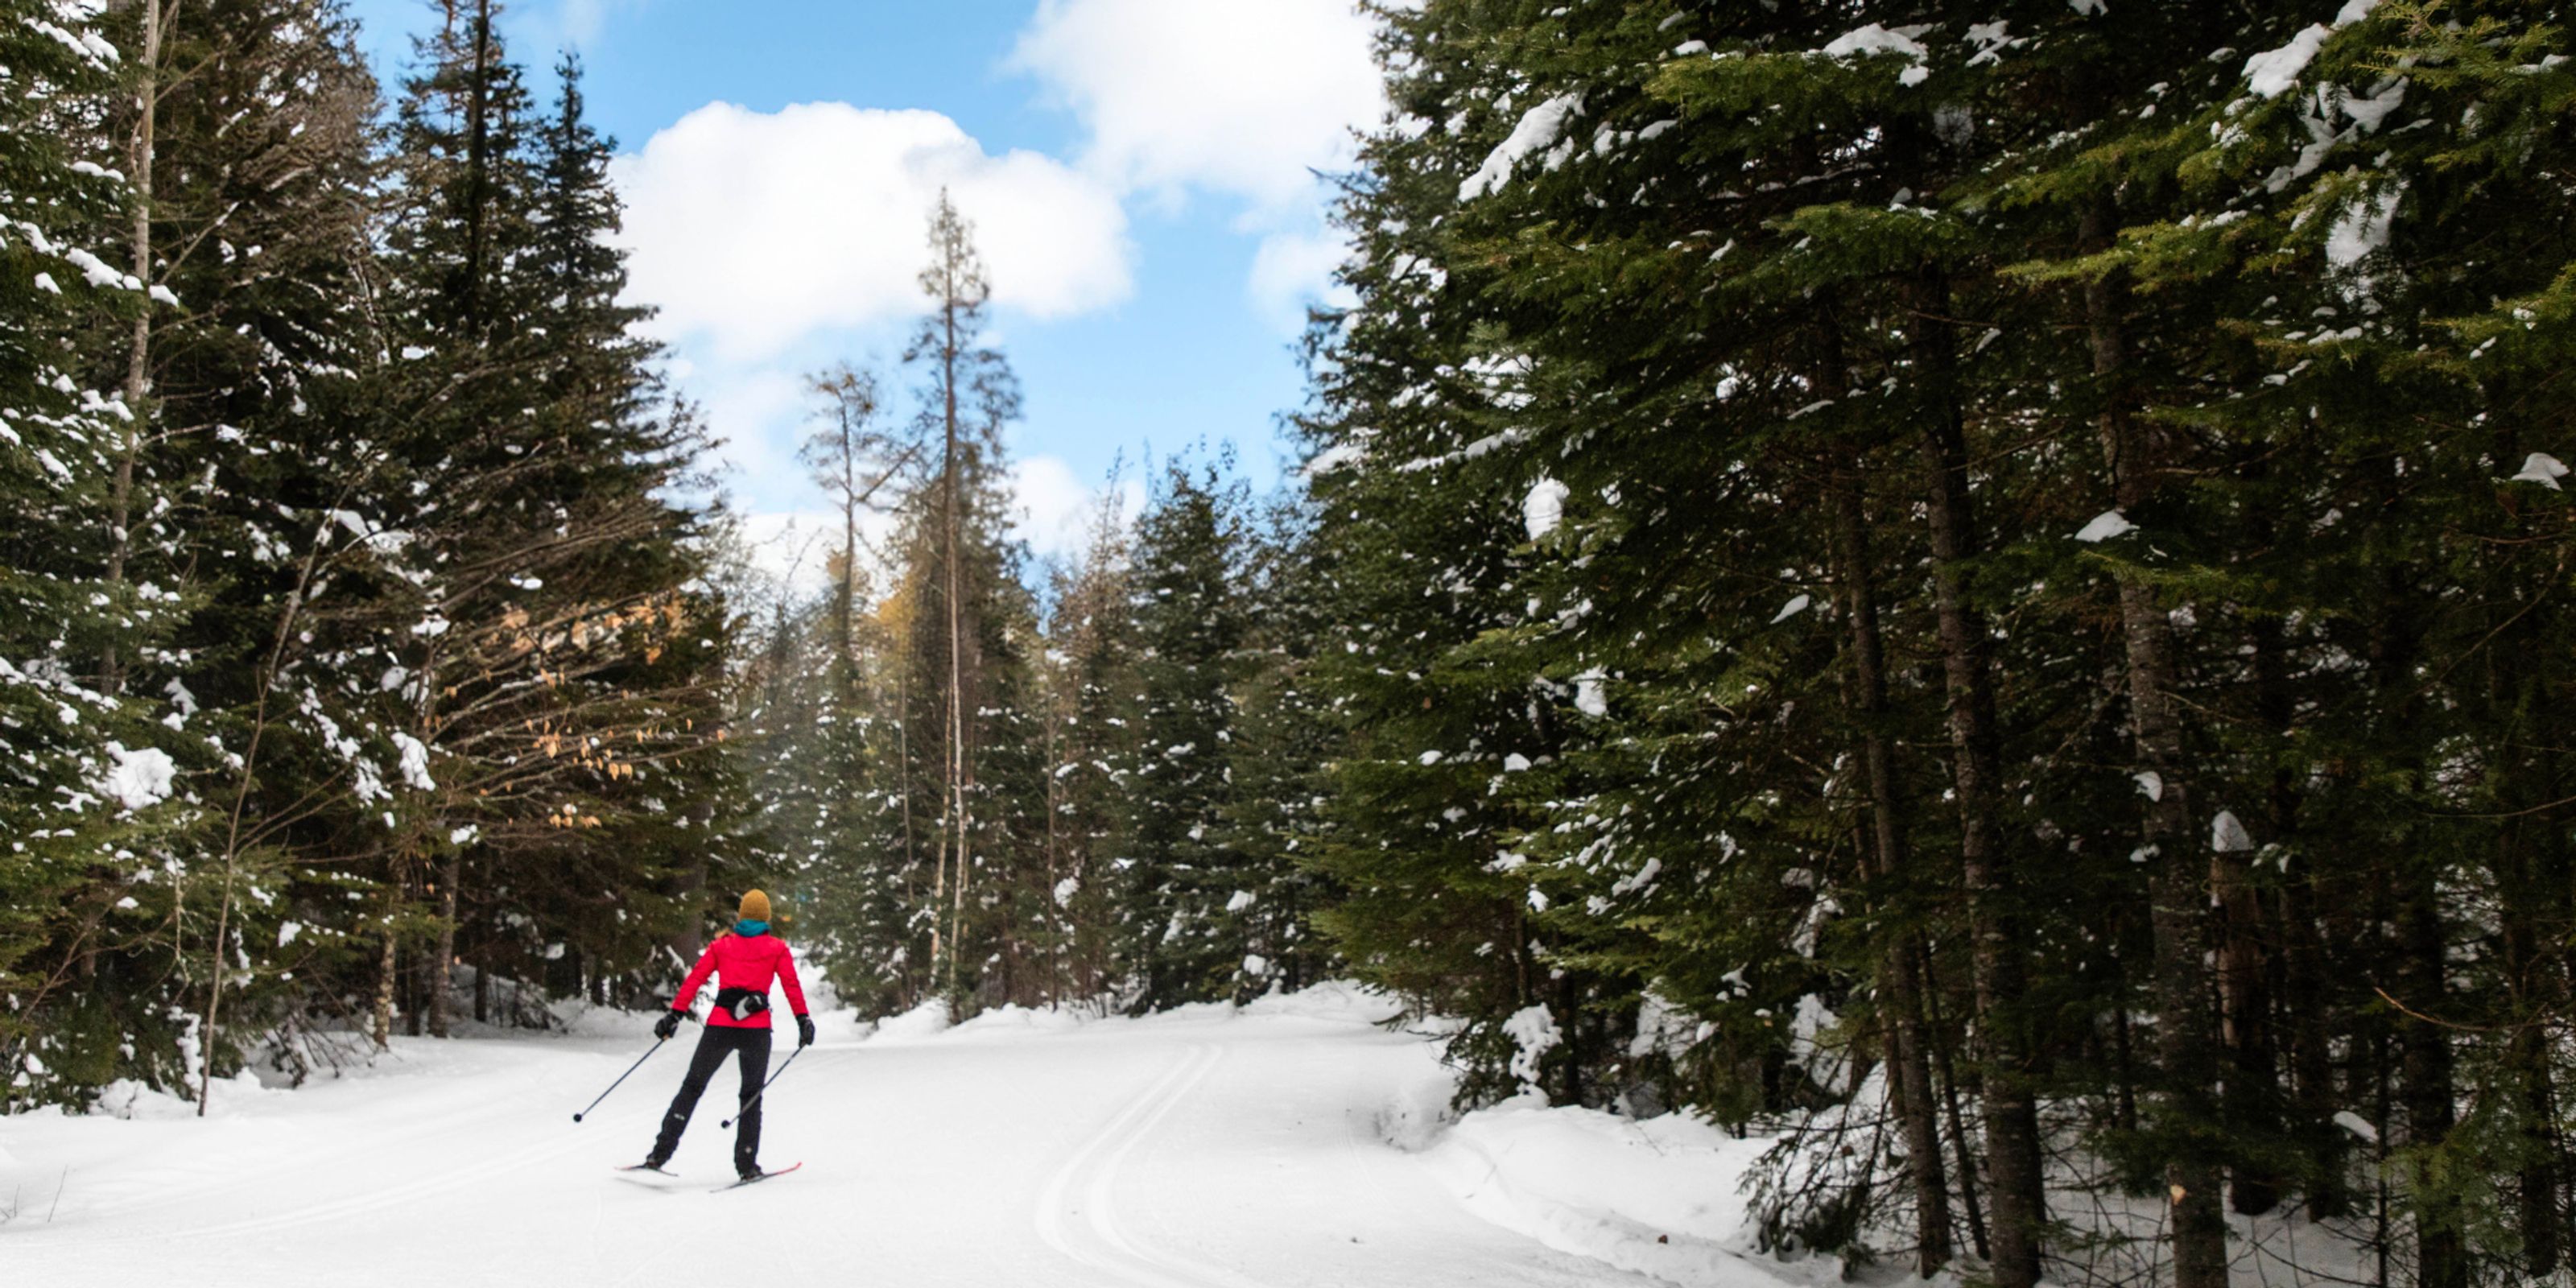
(1972, 588)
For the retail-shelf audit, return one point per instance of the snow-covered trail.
(1206, 1149)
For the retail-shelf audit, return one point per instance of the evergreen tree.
(88, 786)
(1280, 740)
(1091, 732)
(1183, 897)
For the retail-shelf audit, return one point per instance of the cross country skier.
(744, 961)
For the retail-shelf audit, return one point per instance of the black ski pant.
(750, 1049)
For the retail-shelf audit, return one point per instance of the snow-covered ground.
(1288, 1144)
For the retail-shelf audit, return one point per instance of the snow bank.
(929, 1019)
(1659, 1197)
(577, 1017)
(1340, 1001)
(1416, 1115)
(1337, 999)
(1024, 1019)
(130, 1099)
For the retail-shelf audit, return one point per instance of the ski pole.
(764, 1089)
(630, 1072)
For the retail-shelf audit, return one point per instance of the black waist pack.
(742, 1003)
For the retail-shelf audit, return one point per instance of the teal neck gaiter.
(747, 928)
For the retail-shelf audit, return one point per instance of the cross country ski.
(756, 1178)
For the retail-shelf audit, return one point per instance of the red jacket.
(739, 962)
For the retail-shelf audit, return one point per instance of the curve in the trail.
(1077, 1211)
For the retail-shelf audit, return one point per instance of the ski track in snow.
(1086, 1186)
(1204, 1149)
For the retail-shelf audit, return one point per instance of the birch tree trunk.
(386, 963)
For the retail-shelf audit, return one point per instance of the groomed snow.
(1291, 1143)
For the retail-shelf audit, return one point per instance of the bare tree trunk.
(1902, 989)
(2012, 1113)
(1949, 1089)
(244, 778)
(957, 723)
(1061, 935)
(138, 355)
(911, 858)
(443, 963)
(2306, 1022)
(2245, 1016)
(478, 167)
(2176, 893)
(2441, 1255)
(386, 970)
(849, 549)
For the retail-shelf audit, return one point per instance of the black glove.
(804, 1030)
(669, 1024)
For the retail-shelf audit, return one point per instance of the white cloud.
(1292, 270)
(754, 229)
(1243, 97)
(788, 547)
(746, 408)
(579, 22)
(1057, 507)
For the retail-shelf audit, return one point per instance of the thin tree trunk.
(2527, 1059)
(2306, 1018)
(2012, 1113)
(2441, 1255)
(2245, 1020)
(386, 965)
(2123, 1053)
(138, 355)
(478, 168)
(1902, 989)
(957, 723)
(911, 856)
(2177, 896)
(1059, 935)
(233, 836)
(849, 544)
(443, 963)
(1949, 1075)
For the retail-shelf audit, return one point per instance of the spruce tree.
(88, 782)
(1182, 896)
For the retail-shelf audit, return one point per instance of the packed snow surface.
(1291, 1143)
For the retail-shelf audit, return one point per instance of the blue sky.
(1141, 170)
